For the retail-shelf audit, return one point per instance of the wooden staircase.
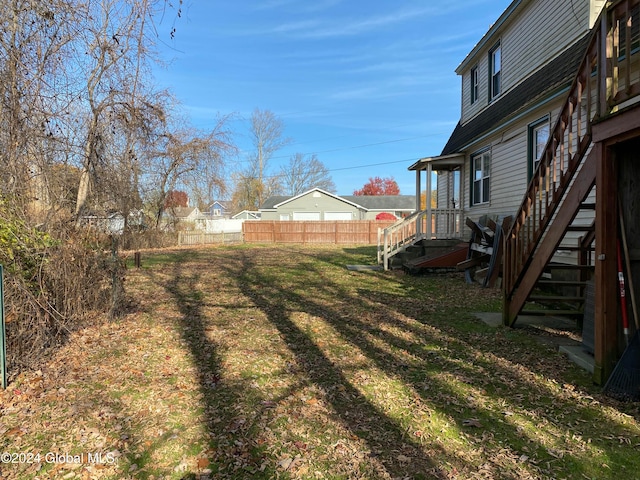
(566, 173)
(412, 231)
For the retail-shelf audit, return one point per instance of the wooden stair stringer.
(555, 232)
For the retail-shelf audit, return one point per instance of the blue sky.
(369, 87)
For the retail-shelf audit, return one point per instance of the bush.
(55, 282)
(386, 216)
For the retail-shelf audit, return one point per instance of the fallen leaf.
(285, 463)
(471, 422)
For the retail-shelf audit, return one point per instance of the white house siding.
(534, 36)
(509, 165)
(596, 8)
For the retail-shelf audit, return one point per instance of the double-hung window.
(538, 137)
(495, 72)
(474, 85)
(481, 173)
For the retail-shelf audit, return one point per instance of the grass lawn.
(277, 362)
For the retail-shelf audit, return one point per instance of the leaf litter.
(278, 363)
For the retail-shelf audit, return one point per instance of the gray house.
(318, 204)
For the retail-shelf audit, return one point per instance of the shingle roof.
(274, 200)
(383, 202)
(181, 212)
(369, 202)
(559, 73)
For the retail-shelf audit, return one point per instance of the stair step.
(581, 228)
(576, 249)
(555, 298)
(588, 206)
(563, 283)
(566, 266)
(561, 313)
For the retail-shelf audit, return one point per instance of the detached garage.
(318, 204)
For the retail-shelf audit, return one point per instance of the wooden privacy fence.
(198, 237)
(340, 232)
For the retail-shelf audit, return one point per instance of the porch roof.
(442, 162)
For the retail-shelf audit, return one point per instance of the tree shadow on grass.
(233, 449)
(459, 370)
(386, 439)
(401, 325)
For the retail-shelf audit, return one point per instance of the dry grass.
(277, 362)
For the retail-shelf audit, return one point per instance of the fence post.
(3, 336)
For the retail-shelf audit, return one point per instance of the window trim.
(492, 75)
(531, 130)
(485, 178)
(474, 84)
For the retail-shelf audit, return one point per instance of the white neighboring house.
(191, 218)
(247, 215)
(113, 223)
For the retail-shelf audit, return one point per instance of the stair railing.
(607, 78)
(421, 225)
(397, 237)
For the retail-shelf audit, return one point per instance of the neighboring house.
(246, 215)
(184, 214)
(318, 204)
(218, 210)
(113, 223)
(183, 218)
(550, 113)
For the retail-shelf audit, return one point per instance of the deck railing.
(607, 79)
(434, 223)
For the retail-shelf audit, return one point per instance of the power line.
(353, 167)
(362, 146)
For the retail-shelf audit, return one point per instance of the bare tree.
(118, 49)
(33, 39)
(303, 173)
(267, 135)
(183, 155)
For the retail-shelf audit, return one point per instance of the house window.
(634, 34)
(217, 212)
(538, 137)
(481, 173)
(474, 85)
(495, 72)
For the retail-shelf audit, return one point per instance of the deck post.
(606, 287)
(418, 204)
(428, 200)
